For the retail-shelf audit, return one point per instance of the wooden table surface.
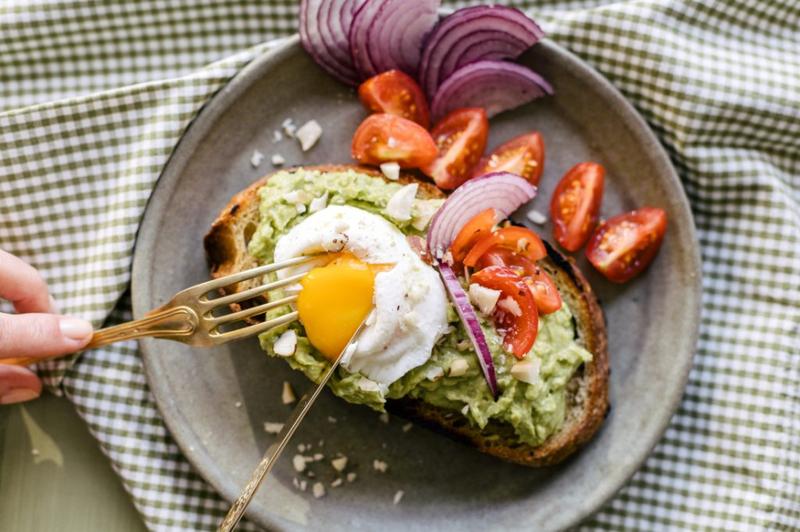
(53, 476)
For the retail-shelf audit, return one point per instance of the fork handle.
(171, 322)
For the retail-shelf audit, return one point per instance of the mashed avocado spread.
(535, 411)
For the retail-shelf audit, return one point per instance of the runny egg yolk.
(335, 299)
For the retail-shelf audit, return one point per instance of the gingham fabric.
(94, 95)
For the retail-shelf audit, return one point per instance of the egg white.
(410, 302)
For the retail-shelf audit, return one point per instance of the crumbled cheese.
(297, 196)
(301, 447)
(536, 217)
(256, 158)
(278, 160)
(434, 373)
(367, 385)
(336, 483)
(317, 204)
(424, 211)
(458, 367)
(483, 298)
(391, 170)
(527, 370)
(303, 485)
(273, 428)
(339, 463)
(384, 417)
(331, 419)
(510, 305)
(299, 463)
(380, 465)
(286, 344)
(318, 456)
(351, 477)
(238, 404)
(399, 206)
(321, 443)
(35, 452)
(407, 427)
(309, 134)
(310, 474)
(277, 136)
(318, 490)
(398, 496)
(287, 394)
(288, 127)
(465, 410)
(300, 208)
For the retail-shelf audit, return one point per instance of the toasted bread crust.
(226, 247)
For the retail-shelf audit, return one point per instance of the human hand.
(35, 331)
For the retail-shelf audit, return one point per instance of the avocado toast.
(533, 426)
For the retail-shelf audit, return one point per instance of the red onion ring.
(496, 86)
(324, 27)
(503, 191)
(474, 34)
(471, 324)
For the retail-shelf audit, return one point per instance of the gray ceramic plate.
(652, 321)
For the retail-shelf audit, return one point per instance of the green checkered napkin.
(94, 95)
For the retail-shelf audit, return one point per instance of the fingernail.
(74, 328)
(53, 306)
(18, 395)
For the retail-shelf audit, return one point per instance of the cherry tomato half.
(523, 155)
(521, 326)
(521, 240)
(626, 244)
(385, 138)
(576, 204)
(544, 290)
(461, 138)
(395, 93)
(478, 227)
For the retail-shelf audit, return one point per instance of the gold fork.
(189, 316)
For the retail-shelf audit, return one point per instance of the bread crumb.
(318, 490)
(288, 127)
(384, 418)
(536, 217)
(398, 496)
(351, 477)
(238, 404)
(336, 483)
(299, 463)
(407, 427)
(340, 463)
(277, 136)
(278, 160)
(287, 395)
(256, 158)
(318, 457)
(299, 484)
(301, 447)
(309, 134)
(273, 428)
(380, 465)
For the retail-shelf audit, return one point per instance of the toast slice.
(226, 247)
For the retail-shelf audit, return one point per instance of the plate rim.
(204, 121)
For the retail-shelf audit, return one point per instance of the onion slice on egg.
(496, 86)
(471, 324)
(504, 192)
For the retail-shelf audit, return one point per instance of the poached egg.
(373, 267)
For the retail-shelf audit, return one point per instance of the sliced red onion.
(388, 34)
(474, 34)
(496, 86)
(503, 191)
(324, 30)
(471, 324)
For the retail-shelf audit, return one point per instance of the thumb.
(41, 335)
